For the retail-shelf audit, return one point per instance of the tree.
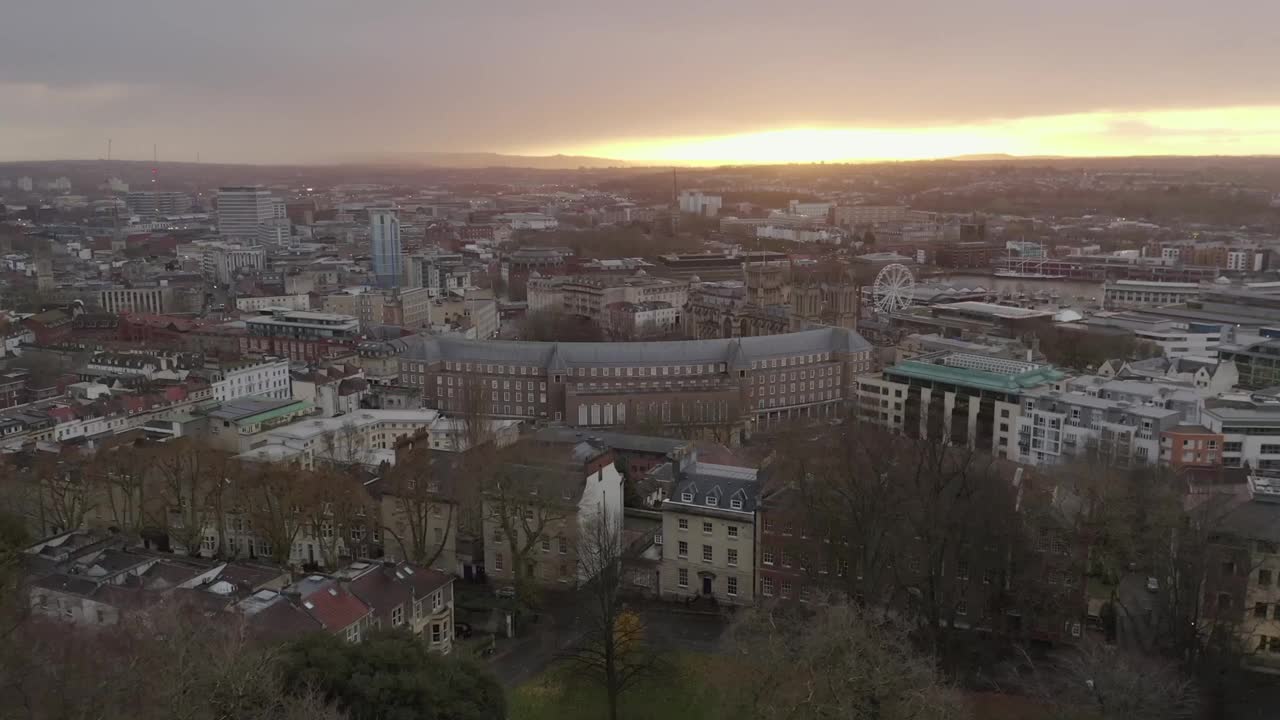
(167, 662)
(338, 513)
(121, 476)
(612, 651)
(558, 326)
(273, 497)
(527, 498)
(834, 663)
(63, 494)
(421, 516)
(1094, 680)
(392, 676)
(191, 476)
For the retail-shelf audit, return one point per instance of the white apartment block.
(696, 202)
(157, 300)
(266, 379)
(289, 302)
(1250, 427)
(851, 216)
(222, 262)
(243, 210)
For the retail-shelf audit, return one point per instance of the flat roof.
(1004, 311)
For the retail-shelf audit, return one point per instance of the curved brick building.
(751, 381)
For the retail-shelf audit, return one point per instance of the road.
(1135, 613)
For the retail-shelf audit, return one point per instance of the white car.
(1153, 585)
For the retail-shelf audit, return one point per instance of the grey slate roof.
(723, 483)
(616, 441)
(737, 352)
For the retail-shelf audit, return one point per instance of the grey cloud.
(289, 79)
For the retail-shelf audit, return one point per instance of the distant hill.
(987, 157)
(469, 160)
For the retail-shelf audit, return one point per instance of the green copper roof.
(977, 379)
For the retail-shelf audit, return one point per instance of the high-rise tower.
(384, 235)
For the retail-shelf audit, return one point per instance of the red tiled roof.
(334, 607)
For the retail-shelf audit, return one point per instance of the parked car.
(506, 591)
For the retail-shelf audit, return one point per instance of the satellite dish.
(894, 288)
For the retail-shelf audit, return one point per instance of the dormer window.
(736, 504)
(686, 497)
(711, 500)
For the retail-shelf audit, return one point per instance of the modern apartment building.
(1249, 425)
(384, 242)
(697, 202)
(243, 211)
(222, 262)
(1258, 364)
(959, 397)
(158, 202)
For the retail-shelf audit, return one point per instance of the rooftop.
(977, 371)
(994, 310)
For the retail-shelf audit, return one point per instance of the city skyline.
(719, 83)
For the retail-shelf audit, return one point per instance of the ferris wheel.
(893, 289)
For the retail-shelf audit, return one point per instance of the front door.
(706, 586)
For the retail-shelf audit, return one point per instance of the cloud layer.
(310, 80)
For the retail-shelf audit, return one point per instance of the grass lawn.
(561, 693)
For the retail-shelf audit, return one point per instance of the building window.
(546, 544)
(731, 586)
(786, 588)
(767, 587)
(706, 553)
(683, 579)
(733, 557)
(682, 549)
(436, 634)
(497, 561)
(683, 523)
(767, 557)
(711, 500)
(562, 545)
(736, 504)
(962, 608)
(733, 532)
(686, 497)
(707, 528)
(397, 616)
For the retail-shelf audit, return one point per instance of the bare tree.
(64, 495)
(122, 478)
(1105, 682)
(612, 651)
(274, 496)
(527, 499)
(338, 512)
(837, 663)
(190, 477)
(418, 512)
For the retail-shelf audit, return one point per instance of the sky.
(652, 81)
